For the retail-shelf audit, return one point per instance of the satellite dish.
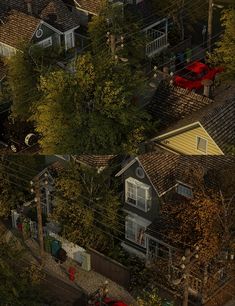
(30, 139)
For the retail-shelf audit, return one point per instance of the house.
(149, 181)
(154, 27)
(191, 123)
(45, 23)
(98, 162)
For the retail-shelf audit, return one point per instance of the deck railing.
(159, 41)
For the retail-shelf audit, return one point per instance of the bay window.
(138, 194)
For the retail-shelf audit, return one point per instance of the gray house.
(45, 23)
(149, 180)
(154, 27)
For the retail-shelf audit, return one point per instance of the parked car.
(16, 135)
(192, 75)
(110, 302)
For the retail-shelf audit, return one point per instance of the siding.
(185, 142)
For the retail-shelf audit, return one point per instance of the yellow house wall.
(186, 142)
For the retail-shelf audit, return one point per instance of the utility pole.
(188, 261)
(210, 22)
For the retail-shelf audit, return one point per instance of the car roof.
(197, 66)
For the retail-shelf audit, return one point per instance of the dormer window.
(184, 190)
(138, 194)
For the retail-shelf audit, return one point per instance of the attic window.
(184, 190)
(139, 172)
(39, 33)
(201, 144)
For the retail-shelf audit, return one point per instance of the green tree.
(149, 298)
(22, 80)
(86, 207)
(19, 284)
(224, 52)
(92, 110)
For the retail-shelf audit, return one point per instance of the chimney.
(29, 6)
(207, 84)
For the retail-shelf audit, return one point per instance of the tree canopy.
(86, 207)
(225, 48)
(19, 284)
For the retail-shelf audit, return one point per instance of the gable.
(184, 141)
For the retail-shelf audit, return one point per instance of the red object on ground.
(72, 273)
(20, 227)
(192, 75)
(111, 302)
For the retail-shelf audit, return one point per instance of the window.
(138, 194)
(184, 191)
(135, 232)
(201, 144)
(45, 43)
(69, 40)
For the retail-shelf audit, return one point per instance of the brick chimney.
(207, 85)
(29, 6)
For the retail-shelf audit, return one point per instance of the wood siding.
(186, 142)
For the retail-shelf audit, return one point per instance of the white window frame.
(180, 184)
(66, 39)
(197, 141)
(42, 42)
(143, 186)
(136, 224)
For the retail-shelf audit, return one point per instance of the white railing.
(157, 44)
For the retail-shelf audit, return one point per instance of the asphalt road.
(60, 293)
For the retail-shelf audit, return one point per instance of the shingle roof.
(59, 16)
(95, 161)
(17, 27)
(171, 104)
(54, 12)
(220, 124)
(165, 169)
(92, 6)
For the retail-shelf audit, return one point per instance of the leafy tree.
(11, 194)
(86, 207)
(149, 298)
(206, 219)
(19, 284)
(22, 82)
(92, 110)
(224, 52)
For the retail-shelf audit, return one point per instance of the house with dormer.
(147, 181)
(190, 123)
(154, 27)
(47, 23)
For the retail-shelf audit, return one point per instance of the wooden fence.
(110, 268)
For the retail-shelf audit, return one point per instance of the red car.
(110, 302)
(192, 75)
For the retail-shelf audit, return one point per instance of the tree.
(15, 174)
(92, 110)
(225, 49)
(19, 284)
(149, 298)
(86, 208)
(22, 81)
(203, 220)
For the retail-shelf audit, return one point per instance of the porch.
(157, 37)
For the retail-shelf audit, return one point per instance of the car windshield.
(190, 75)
